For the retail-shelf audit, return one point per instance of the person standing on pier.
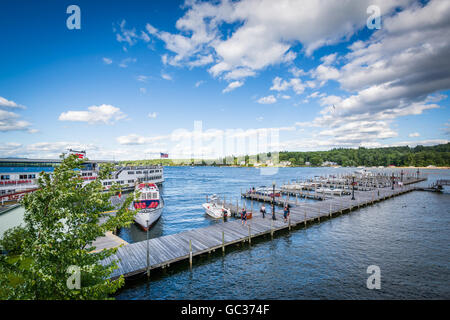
(244, 216)
(263, 211)
(286, 212)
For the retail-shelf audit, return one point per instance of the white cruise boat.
(148, 205)
(19, 176)
(215, 210)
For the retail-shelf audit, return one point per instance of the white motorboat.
(148, 206)
(215, 210)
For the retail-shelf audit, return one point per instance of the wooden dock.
(166, 250)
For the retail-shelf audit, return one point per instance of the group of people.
(286, 213)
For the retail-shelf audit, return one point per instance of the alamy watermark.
(374, 280)
(374, 20)
(251, 147)
(74, 20)
(74, 280)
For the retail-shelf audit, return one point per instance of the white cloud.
(199, 83)
(143, 90)
(152, 115)
(239, 74)
(267, 100)
(107, 60)
(414, 134)
(10, 121)
(166, 76)
(233, 85)
(324, 73)
(296, 72)
(126, 62)
(134, 139)
(329, 59)
(267, 31)
(278, 84)
(398, 71)
(104, 113)
(142, 78)
(44, 150)
(5, 103)
(446, 128)
(201, 61)
(126, 35)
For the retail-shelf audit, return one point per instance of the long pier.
(142, 257)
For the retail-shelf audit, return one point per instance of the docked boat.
(148, 205)
(266, 191)
(213, 209)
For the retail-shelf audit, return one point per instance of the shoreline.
(234, 166)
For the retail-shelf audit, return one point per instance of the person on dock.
(244, 216)
(263, 211)
(286, 212)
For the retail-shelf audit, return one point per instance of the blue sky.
(134, 79)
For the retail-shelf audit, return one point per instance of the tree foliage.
(61, 222)
(419, 156)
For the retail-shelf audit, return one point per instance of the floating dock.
(141, 257)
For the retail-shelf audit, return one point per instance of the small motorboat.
(267, 191)
(215, 210)
(148, 206)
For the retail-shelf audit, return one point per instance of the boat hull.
(146, 218)
(214, 212)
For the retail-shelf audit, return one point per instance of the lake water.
(407, 237)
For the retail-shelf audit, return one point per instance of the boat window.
(130, 172)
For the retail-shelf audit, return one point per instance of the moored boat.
(148, 205)
(215, 210)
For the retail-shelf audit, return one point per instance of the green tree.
(316, 160)
(61, 221)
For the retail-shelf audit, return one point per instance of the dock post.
(330, 209)
(190, 253)
(305, 217)
(271, 229)
(289, 222)
(223, 241)
(148, 255)
(296, 199)
(249, 236)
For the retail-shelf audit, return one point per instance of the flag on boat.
(164, 155)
